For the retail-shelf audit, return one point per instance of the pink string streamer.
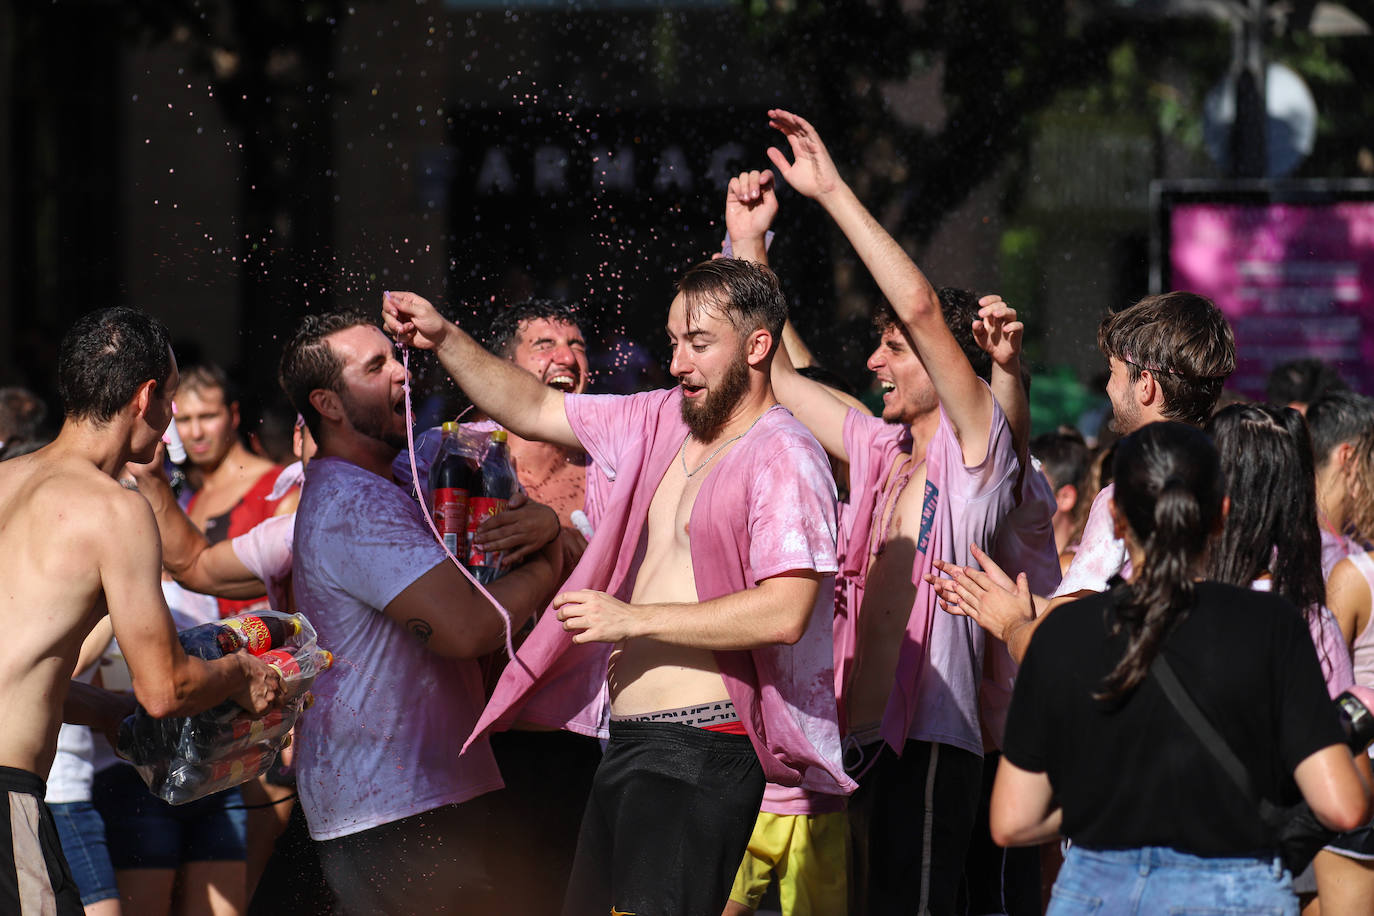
(424, 509)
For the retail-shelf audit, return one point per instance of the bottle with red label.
(494, 489)
(256, 633)
(452, 478)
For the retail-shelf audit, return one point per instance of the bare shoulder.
(1347, 584)
(81, 501)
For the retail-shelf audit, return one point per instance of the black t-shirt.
(1132, 773)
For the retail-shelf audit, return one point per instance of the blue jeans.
(1156, 880)
(83, 843)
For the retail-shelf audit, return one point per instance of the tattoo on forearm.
(420, 629)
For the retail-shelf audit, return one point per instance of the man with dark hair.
(238, 489)
(1336, 420)
(1066, 460)
(78, 546)
(702, 606)
(389, 791)
(1299, 382)
(936, 471)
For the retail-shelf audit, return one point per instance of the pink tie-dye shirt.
(766, 508)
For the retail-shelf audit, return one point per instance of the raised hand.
(813, 173)
(997, 331)
(750, 207)
(413, 321)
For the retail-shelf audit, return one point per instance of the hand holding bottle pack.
(185, 758)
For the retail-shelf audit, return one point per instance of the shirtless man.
(79, 546)
(236, 485)
(936, 472)
(715, 649)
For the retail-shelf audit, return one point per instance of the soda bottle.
(255, 633)
(494, 490)
(293, 667)
(261, 634)
(451, 480)
(213, 740)
(189, 781)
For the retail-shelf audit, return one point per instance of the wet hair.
(1185, 342)
(504, 331)
(747, 294)
(308, 364)
(21, 413)
(207, 376)
(1266, 457)
(104, 359)
(1335, 418)
(1362, 489)
(1301, 381)
(1169, 488)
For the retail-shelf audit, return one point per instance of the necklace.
(682, 453)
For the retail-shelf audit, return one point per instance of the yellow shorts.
(808, 853)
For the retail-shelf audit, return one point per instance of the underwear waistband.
(705, 715)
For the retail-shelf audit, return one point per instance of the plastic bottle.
(257, 634)
(293, 667)
(494, 491)
(452, 478)
(188, 781)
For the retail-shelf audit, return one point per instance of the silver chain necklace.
(682, 453)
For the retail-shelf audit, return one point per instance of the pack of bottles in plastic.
(185, 758)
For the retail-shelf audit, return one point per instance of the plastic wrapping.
(185, 758)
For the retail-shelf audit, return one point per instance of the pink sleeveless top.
(1363, 649)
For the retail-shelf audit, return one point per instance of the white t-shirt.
(383, 740)
(266, 550)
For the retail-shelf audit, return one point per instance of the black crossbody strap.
(1205, 731)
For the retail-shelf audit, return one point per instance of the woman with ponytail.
(1096, 752)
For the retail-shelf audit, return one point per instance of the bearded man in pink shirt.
(702, 607)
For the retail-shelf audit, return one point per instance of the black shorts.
(35, 878)
(909, 825)
(667, 823)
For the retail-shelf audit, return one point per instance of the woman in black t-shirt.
(1095, 751)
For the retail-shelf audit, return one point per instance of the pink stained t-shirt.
(766, 508)
(940, 666)
(266, 550)
(1024, 543)
(1100, 555)
(384, 740)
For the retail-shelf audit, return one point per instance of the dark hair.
(505, 324)
(21, 413)
(1272, 526)
(960, 308)
(1169, 487)
(747, 294)
(1335, 418)
(106, 356)
(308, 364)
(1301, 381)
(1065, 456)
(1185, 342)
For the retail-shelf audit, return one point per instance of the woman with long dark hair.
(1271, 541)
(1096, 751)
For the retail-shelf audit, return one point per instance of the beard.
(1125, 418)
(375, 422)
(705, 420)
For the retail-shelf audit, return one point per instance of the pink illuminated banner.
(1295, 279)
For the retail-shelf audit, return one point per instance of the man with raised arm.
(387, 787)
(702, 606)
(78, 546)
(934, 473)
